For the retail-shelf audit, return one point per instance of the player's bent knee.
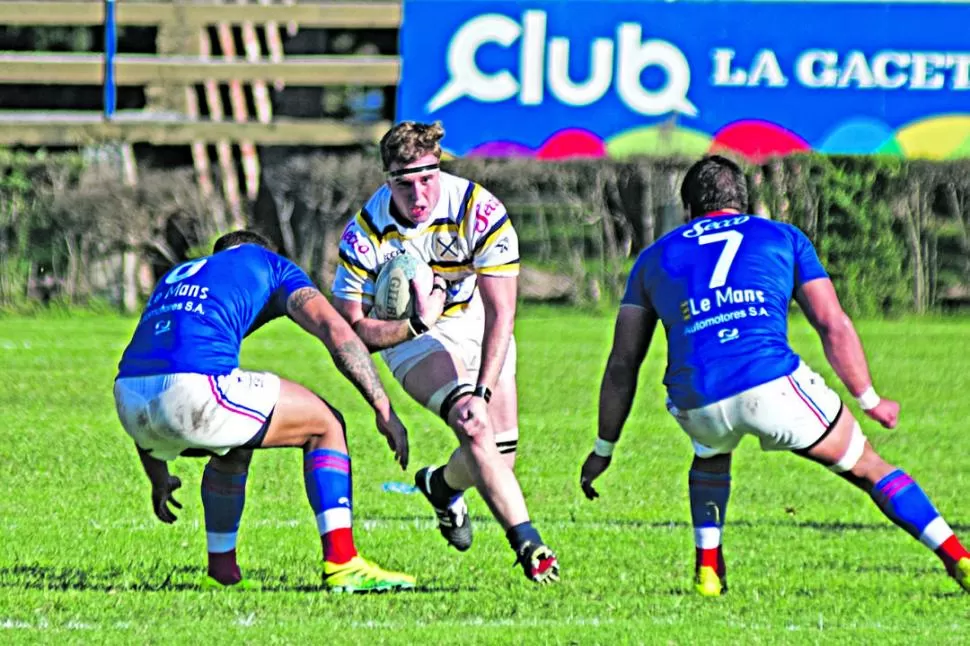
(234, 462)
(475, 432)
(871, 468)
(853, 453)
(302, 416)
(337, 414)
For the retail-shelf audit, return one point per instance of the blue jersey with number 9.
(721, 285)
(201, 310)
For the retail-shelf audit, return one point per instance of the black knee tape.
(507, 441)
(511, 446)
(456, 393)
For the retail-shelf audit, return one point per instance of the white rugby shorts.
(167, 414)
(786, 414)
(459, 335)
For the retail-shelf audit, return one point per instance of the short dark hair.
(242, 236)
(712, 184)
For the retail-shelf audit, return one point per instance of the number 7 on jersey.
(732, 241)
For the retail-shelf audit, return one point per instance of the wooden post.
(203, 168)
(227, 165)
(274, 43)
(254, 52)
(129, 263)
(240, 113)
(176, 38)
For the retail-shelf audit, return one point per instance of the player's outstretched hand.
(162, 497)
(429, 306)
(593, 467)
(886, 413)
(396, 435)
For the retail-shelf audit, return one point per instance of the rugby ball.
(392, 290)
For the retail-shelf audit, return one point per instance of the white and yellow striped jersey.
(468, 233)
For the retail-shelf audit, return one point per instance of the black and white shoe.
(454, 523)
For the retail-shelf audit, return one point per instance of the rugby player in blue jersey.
(721, 286)
(180, 392)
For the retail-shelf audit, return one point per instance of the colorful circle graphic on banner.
(942, 137)
(758, 140)
(939, 137)
(860, 137)
(659, 140)
(572, 143)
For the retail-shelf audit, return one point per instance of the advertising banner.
(555, 79)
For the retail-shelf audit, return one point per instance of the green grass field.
(810, 559)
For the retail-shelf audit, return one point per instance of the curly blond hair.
(411, 140)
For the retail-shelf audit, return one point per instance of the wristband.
(417, 326)
(603, 448)
(484, 392)
(868, 399)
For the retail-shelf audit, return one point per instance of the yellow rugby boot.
(708, 583)
(244, 585)
(961, 573)
(360, 575)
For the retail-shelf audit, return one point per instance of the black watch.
(484, 392)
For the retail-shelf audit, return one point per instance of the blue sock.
(522, 533)
(223, 497)
(904, 503)
(709, 493)
(326, 475)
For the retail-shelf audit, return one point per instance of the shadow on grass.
(46, 577)
(179, 578)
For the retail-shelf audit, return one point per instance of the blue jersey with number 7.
(721, 284)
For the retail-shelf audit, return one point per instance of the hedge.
(894, 234)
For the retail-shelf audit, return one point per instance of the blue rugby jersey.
(201, 310)
(721, 285)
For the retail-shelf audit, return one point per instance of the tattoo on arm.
(301, 297)
(379, 334)
(354, 361)
(349, 353)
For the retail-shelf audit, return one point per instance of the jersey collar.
(714, 214)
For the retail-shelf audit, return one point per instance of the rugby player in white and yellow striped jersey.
(456, 355)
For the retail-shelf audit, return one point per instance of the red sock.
(710, 558)
(338, 545)
(951, 551)
(223, 567)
